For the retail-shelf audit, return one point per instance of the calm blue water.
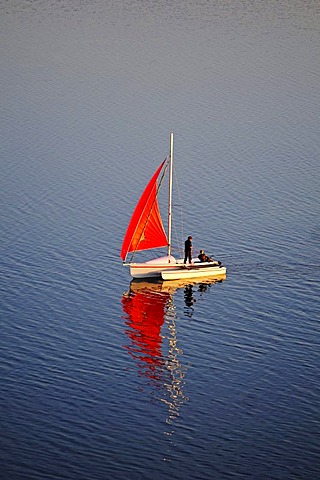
(101, 379)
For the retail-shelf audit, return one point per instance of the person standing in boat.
(188, 250)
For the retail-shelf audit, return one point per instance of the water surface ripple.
(103, 378)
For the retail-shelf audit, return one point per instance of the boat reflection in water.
(150, 317)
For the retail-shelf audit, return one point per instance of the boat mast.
(170, 194)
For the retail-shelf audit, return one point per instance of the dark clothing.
(188, 250)
(204, 258)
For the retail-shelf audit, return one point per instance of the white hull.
(153, 268)
(168, 268)
(140, 270)
(193, 272)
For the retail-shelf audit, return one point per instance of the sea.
(103, 378)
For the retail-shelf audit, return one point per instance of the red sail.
(145, 230)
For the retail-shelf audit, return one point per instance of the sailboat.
(146, 231)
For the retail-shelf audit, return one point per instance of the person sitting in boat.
(203, 257)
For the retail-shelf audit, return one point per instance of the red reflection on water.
(145, 311)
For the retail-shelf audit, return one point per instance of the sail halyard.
(145, 230)
(170, 195)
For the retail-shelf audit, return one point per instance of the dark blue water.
(103, 379)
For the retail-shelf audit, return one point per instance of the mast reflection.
(150, 316)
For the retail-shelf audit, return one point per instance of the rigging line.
(178, 249)
(180, 243)
(155, 198)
